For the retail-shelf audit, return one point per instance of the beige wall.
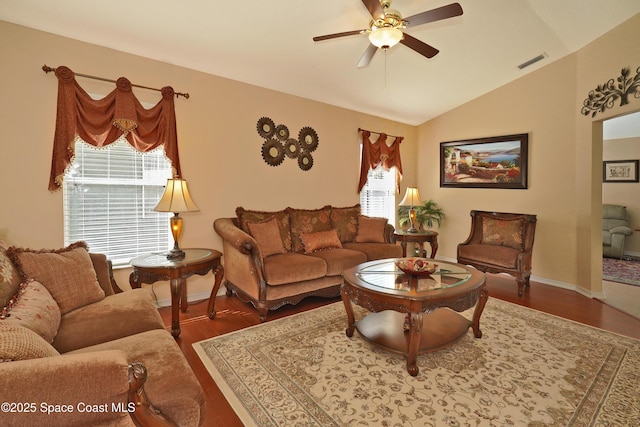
(565, 157)
(622, 193)
(220, 149)
(597, 63)
(219, 146)
(534, 104)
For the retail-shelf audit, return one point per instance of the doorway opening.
(621, 275)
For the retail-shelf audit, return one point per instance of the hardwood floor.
(232, 315)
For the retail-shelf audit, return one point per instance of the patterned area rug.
(626, 270)
(528, 369)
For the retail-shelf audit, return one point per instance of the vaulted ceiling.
(269, 44)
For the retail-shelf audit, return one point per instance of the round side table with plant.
(427, 215)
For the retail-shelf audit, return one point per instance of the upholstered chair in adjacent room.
(615, 229)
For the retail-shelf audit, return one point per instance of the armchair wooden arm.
(144, 414)
(90, 388)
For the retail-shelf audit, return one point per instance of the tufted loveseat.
(280, 257)
(75, 350)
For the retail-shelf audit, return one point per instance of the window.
(109, 195)
(378, 196)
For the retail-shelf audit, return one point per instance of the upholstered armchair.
(500, 243)
(615, 229)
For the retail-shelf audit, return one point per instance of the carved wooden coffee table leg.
(351, 318)
(415, 333)
(477, 312)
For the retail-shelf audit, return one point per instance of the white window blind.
(378, 196)
(109, 196)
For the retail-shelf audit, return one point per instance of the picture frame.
(495, 162)
(620, 170)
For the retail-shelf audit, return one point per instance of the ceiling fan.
(385, 28)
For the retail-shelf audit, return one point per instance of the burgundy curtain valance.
(379, 153)
(101, 122)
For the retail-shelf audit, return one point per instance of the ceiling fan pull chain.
(385, 70)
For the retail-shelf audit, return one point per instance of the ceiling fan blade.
(336, 35)
(367, 56)
(421, 47)
(374, 8)
(437, 14)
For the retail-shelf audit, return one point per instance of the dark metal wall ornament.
(273, 152)
(292, 148)
(282, 132)
(266, 127)
(277, 144)
(308, 139)
(604, 96)
(305, 161)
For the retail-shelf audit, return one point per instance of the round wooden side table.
(419, 237)
(152, 268)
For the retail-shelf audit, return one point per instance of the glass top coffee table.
(412, 314)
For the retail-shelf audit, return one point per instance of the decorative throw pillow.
(267, 235)
(9, 278)
(371, 230)
(345, 222)
(20, 343)
(320, 240)
(245, 216)
(67, 274)
(35, 309)
(502, 232)
(307, 221)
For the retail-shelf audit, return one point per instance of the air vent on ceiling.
(532, 61)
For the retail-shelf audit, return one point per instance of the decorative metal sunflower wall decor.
(278, 144)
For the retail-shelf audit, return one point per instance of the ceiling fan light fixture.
(385, 37)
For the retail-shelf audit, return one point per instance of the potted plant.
(427, 214)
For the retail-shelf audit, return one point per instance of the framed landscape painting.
(620, 171)
(494, 162)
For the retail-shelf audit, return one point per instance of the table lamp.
(411, 199)
(176, 199)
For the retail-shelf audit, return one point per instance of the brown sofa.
(77, 353)
(280, 257)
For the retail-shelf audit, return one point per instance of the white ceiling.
(269, 44)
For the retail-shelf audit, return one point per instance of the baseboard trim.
(551, 282)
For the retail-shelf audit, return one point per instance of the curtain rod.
(48, 69)
(379, 133)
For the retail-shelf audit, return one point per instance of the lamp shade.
(176, 198)
(385, 37)
(411, 197)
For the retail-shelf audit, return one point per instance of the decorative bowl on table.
(416, 266)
